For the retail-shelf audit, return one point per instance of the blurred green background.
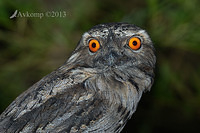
(31, 47)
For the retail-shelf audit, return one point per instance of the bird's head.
(121, 50)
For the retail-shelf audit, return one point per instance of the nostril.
(111, 58)
(114, 54)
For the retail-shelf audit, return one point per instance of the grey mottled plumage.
(92, 91)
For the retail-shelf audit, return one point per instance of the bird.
(96, 90)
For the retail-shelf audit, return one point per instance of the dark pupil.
(94, 45)
(134, 43)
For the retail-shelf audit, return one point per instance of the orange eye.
(94, 45)
(134, 43)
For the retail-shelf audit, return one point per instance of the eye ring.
(134, 43)
(94, 45)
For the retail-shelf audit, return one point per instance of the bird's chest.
(116, 93)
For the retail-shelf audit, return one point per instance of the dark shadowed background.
(32, 47)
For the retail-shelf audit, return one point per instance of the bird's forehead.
(115, 29)
(102, 32)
